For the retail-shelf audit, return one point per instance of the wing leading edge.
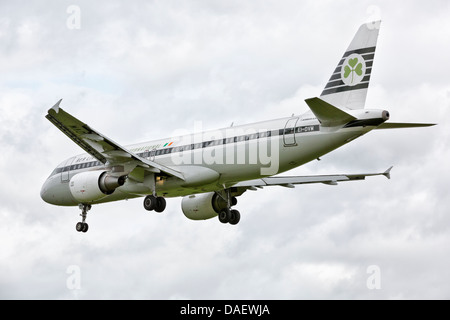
(99, 146)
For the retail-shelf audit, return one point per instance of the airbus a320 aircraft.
(211, 169)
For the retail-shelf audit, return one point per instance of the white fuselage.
(212, 160)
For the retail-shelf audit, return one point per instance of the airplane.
(210, 169)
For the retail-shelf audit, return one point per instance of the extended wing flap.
(99, 146)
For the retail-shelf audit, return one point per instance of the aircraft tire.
(160, 204)
(235, 216)
(79, 226)
(224, 216)
(82, 227)
(150, 202)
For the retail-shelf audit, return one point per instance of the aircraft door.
(289, 132)
(152, 154)
(66, 170)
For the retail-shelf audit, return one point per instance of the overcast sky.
(141, 70)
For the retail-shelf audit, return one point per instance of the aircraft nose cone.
(53, 191)
(48, 192)
(44, 192)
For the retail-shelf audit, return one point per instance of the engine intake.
(91, 186)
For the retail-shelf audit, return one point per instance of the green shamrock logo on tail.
(350, 68)
(353, 70)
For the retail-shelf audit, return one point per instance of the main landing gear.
(83, 226)
(228, 215)
(152, 202)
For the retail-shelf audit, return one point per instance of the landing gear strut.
(152, 202)
(83, 226)
(229, 215)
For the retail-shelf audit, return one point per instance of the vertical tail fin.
(348, 85)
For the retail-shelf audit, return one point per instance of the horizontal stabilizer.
(328, 115)
(401, 125)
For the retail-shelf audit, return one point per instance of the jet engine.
(90, 186)
(203, 206)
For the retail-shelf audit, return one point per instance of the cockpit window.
(56, 171)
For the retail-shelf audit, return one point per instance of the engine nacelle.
(202, 206)
(94, 185)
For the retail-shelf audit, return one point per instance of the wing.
(99, 146)
(290, 182)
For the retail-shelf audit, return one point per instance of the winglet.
(56, 106)
(387, 173)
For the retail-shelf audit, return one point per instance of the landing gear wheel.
(150, 202)
(85, 227)
(82, 227)
(160, 204)
(235, 216)
(224, 216)
(79, 226)
(154, 203)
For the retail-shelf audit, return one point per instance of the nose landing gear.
(83, 226)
